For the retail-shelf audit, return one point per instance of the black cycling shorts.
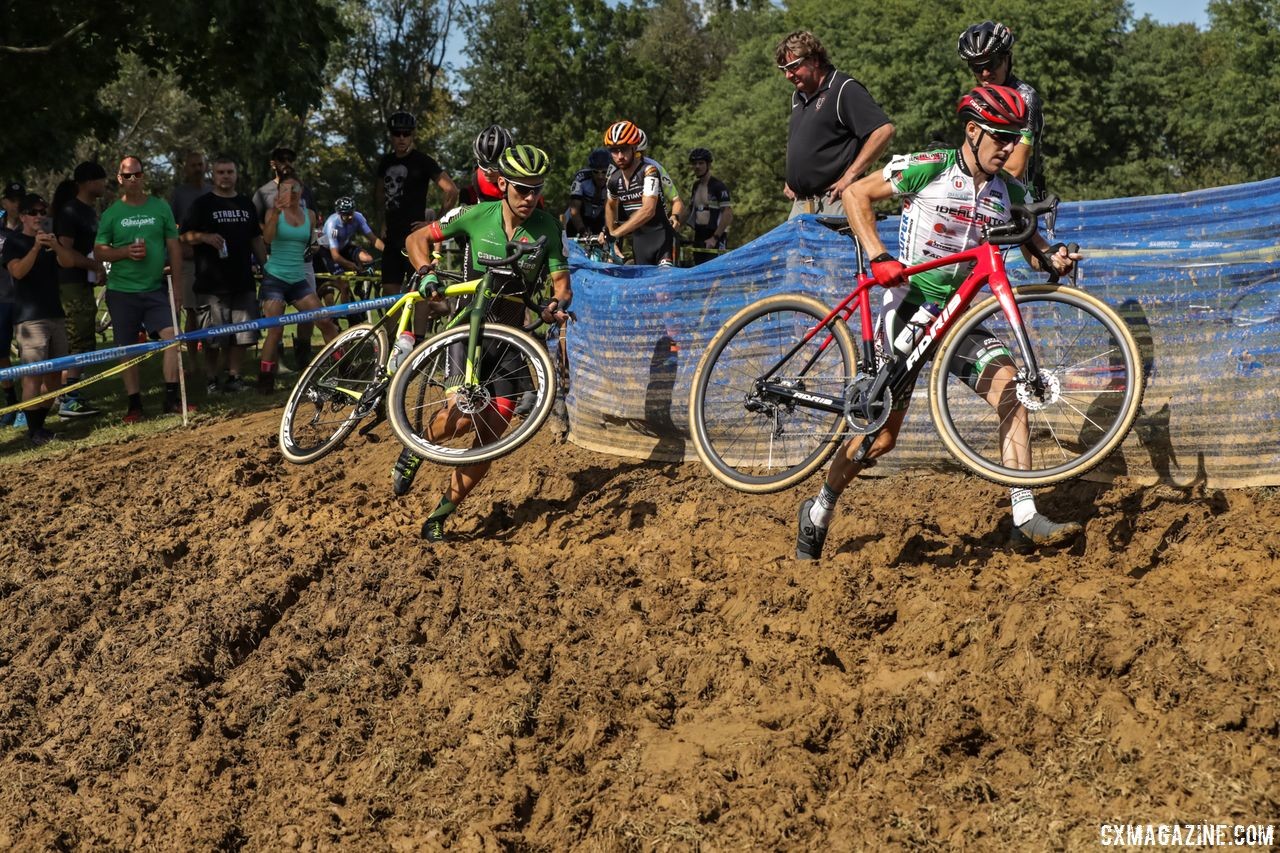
(651, 247)
(503, 370)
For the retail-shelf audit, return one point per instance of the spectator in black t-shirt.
(32, 256)
(222, 228)
(709, 208)
(10, 201)
(827, 149)
(404, 175)
(75, 224)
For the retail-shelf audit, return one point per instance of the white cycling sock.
(824, 507)
(1024, 505)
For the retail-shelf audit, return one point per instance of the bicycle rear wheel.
(440, 417)
(1077, 411)
(322, 408)
(751, 441)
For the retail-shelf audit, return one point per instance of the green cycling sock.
(443, 509)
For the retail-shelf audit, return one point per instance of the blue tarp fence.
(1196, 276)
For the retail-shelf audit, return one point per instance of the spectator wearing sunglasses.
(137, 236)
(32, 256)
(988, 50)
(837, 130)
(404, 175)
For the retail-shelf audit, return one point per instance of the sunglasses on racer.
(1002, 137)
(525, 190)
(988, 65)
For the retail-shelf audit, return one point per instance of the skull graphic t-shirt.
(404, 185)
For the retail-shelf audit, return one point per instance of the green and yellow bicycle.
(450, 398)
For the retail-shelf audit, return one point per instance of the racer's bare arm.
(575, 215)
(418, 246)
(648, 209)
(1016, 165)
(562, 291)
(858, 199)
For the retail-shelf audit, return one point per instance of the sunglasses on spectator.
(525, 189)
(792, 65)
(402, 133)
(128, 176)
(599, 171)
(37, 211)
(990, 65)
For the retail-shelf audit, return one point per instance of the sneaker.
(175, 408)
(405, 470)
(213, 389)
(133, 416)
(433, 530)
(75, 407)
(41, 437)
(266, 383)
(1038, 532)
(235, 385)
(809, 536)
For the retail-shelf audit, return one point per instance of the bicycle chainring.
(863, 414)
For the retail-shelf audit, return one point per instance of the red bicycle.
(783, 379)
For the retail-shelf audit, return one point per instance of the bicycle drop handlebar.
(1023, 223)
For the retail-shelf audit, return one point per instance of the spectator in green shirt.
(136, 235)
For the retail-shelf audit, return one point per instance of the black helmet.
(984, 40)
(346, 204)
(598, 159)
(402, 121)
(700, 154)
(491, 142)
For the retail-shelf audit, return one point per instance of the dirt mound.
(205, 647)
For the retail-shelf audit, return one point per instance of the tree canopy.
(1131, 106)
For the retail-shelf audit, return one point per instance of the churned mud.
(206, 648)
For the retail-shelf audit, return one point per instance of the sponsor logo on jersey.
(958, 183)
(932, 157)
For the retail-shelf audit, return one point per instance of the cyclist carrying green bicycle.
(950, 195)
(487, 227)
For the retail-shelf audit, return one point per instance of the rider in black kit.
(635, 207)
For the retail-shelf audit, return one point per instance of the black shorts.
(323, 262)
(651, 247)
(978, 349)
(395, 264)
(502, 369)
(135, 312)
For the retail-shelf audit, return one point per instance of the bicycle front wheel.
(323, 406)
(753, 441)
(1047, 428)
(440, 416)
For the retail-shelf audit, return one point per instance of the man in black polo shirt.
(837, 129)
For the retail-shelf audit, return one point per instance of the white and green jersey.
(943, 213)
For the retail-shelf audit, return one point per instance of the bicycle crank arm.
(783, 393)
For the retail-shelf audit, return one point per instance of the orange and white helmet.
(622, 133)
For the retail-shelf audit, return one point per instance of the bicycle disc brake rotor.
(863, 414)
(472, 399)
(1040, 394)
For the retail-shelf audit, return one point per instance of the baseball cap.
(88, 171)
(14, 190)
(30, 201)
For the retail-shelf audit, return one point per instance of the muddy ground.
(206, 648)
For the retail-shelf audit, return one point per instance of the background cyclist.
(710, 209)
(988, 50)
(489, 145)
(487, 227)
(635, 206)
(952, 194)
(340, 253)
(585, 214)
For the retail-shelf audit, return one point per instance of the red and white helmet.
(999, 107)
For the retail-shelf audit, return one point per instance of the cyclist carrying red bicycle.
(949, 196)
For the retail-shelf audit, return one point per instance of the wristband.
(882, 257)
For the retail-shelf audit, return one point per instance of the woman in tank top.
(289, 228)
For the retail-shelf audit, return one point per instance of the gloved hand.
(887, 270)
(428, 284)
